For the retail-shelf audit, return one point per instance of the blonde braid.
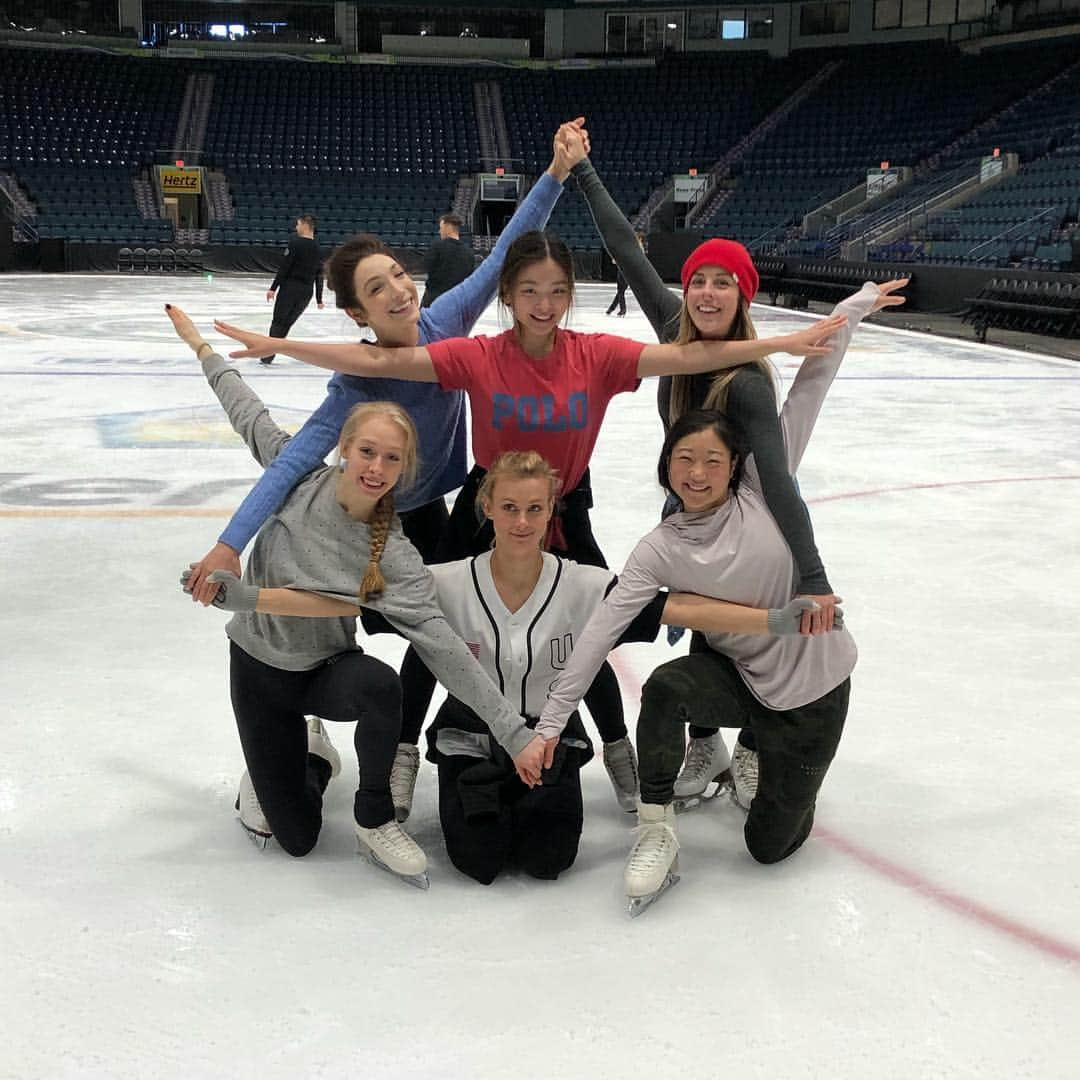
(373, 582)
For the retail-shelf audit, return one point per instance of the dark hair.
(690, 423)
(452, 220)
(308, 220)
(532, 247)
(341, 266)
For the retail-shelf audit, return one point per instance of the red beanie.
(730, 255)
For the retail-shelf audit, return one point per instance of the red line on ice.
(909, 879)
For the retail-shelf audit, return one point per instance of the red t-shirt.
(552, 404)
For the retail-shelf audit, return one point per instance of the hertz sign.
(180, 181)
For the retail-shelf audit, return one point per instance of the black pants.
(795, 746)
(467, 534)
(289, 304)
(490, 819)
(270, 705)
(620, 297)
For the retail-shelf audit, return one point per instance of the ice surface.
(927, 929)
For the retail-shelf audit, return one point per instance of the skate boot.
(391, 848)
(654, 858)
(621, 764)
(403, 779)
(319, 744)
(251, 815)
(707, 763)
(744, 773)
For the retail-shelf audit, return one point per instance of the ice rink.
(930, 927)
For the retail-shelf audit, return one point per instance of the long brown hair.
(373, 582)
(682, 386)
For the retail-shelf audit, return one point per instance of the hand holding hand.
(826, 615)
(232, 593)
(219, 557)
(530, 761)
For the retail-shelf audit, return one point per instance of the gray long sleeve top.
(311, 544)
(751, 402)
(733, 552)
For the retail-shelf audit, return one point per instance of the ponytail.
(373, 583)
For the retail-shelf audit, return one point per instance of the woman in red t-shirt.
(540, 387)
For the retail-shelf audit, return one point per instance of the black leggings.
(467, 534)
(795, 746)
(270, 704)
(490, 819)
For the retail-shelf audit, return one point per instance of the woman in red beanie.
(719, 281)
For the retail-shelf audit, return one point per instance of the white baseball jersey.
(522, 651)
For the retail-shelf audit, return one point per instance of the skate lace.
(656, 842)
(395, 839)
(698, 760)
(622, 766)
(403, 771)
(745, 767)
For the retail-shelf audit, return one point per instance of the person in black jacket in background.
(291, 290)
(449, 260)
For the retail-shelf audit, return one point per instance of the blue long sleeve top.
(439, 414)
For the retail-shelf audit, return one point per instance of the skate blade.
(637, 904)
(260, 840)
(721, 785)
(417, 881)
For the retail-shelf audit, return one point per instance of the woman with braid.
(336, 535)
(718, 283)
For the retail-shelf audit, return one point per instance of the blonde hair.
(518, 465)
(682, 386)
(373, 582)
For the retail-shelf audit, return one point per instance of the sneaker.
(655, 854)
(403, 779)
(251, 814)
(707, 762)
(621, 764)
(744, 773)
(391, 848)
(319, 744)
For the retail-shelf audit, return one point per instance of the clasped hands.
(537, 756)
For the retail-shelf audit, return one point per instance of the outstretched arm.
(659, 304)
(454, 314)
(703, 355)
(244, 408)
(348, 357)
(287, 459)
(751, 405)
(804, 399)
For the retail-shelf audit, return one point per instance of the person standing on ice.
(337, 535)
(719, 281)
(290, 291)
(539, 387)
(792, 691)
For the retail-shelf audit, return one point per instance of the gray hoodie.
(311, 544)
